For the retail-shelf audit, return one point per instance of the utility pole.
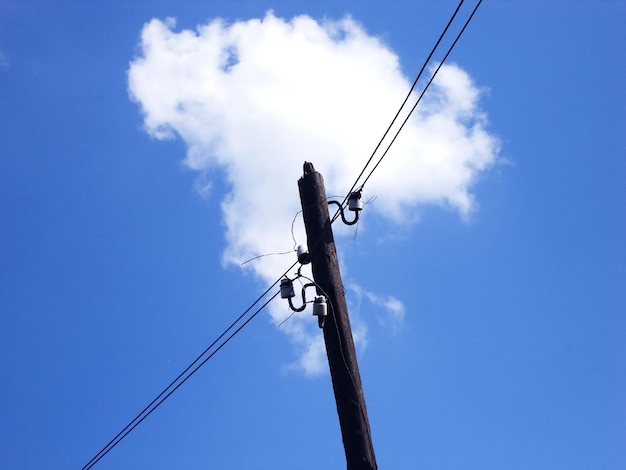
(344, 369)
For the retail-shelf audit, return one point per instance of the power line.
(425, 64)
(423, 91)
(408, 95)
(177, 382)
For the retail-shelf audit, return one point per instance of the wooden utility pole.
(344, 370)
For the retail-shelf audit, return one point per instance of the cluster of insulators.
(320, 307)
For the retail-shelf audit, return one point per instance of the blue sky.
(120, 251)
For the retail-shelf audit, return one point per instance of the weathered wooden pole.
(344, 369)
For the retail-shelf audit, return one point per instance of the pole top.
(308, 168)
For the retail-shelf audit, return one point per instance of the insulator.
(354, 201)
(319, 306)
(303, 255)
(286, 289)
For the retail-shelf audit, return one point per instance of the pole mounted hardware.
(286, 289)
(320, 310)
(355, 204)
(303, 255)
(320, 307)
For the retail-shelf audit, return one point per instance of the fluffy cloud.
(391, 310)
(255, 99)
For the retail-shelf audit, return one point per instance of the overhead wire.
(337, 213)
(408, 95)
(129, 428)
(422, 93)
(177, 382)
(406, 98)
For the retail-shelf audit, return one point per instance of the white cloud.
(255, 99)
(391, 310)
(312, 358)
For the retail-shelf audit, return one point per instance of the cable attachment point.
(303, 255)
(287, 292)
(286, 289)
(355, 204)
(320, 310)
(320, 307)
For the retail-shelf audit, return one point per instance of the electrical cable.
(417, 78)
(164, 394)
(337, 213)
(267, 254)
(293, 237)
(286, 319)
(175, 384)
(129, 428)
(423, 91)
